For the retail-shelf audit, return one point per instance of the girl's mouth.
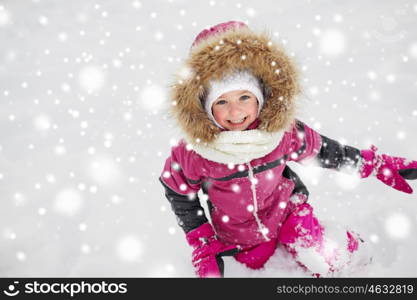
(237, 122)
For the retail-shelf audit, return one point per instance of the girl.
(236, 106)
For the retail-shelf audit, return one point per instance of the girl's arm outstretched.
(307, 144)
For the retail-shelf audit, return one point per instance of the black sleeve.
(334, 155)
(189, 212)
(299, 187)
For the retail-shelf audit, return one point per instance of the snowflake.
(398, 226)
(129, 248)
(68, 202)
(332, 42)
(92, 78)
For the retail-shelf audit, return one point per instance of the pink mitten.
(208, 251)
(390, 170)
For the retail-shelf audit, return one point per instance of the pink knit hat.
(219, 28)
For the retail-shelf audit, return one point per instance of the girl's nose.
(236, 110)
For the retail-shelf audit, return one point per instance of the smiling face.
(235, 110)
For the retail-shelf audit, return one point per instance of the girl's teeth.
(238, 121)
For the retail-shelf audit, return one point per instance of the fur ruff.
(219, 55)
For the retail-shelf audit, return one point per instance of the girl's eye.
(221, 102)
(244, 97)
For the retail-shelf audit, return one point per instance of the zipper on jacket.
(261, 227)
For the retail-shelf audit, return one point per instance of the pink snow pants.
(305, 239)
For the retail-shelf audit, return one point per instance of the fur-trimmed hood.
(221, 54)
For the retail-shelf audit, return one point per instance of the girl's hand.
(390, 170)
(206, 257)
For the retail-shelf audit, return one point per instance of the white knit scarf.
(239, 147)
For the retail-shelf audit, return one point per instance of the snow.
(332, 42)
(91, 78)
(5, 17)
(129, 248)
(153, 97)
(86, 249)
(21, 256)
(68, 202)
(413, 50)
(398, 226)
(42, 122)
(104, 171)
(311, 174)
(85, 129)
(348, 180)
(225, 219)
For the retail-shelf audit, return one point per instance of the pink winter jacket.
(247, 202)
(250, 201)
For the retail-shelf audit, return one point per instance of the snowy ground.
(84, 132)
